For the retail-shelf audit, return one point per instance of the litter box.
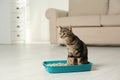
(65, 69)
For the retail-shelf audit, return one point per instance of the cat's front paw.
(70, 61)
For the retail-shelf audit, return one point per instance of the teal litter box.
(65, 69)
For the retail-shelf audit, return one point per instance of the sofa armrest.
(52, 15)
(55, 13)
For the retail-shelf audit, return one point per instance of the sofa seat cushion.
(110, 20)
(79, 21)
(97, 35)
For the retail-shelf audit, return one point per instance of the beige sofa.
(96, 22)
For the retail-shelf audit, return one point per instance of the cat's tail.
(84, 58)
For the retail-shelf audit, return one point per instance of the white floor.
(24, 62)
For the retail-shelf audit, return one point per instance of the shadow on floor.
(97, 66)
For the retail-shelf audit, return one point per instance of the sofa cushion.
(114, 6)
(87, 7)
(79, 21)
(110, 20)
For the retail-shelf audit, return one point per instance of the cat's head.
(65, 32)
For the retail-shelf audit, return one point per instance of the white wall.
(5, 36)
(38, 28)
(58, 4)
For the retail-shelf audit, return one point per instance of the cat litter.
(57, 64)
(60, 66)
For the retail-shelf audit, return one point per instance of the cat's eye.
(63, 31)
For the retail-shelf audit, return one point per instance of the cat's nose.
(60, 36)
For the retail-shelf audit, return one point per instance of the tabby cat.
(77, 49)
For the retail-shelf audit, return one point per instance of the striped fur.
(77, 49)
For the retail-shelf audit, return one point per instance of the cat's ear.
(70, 28)
(59, 27)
